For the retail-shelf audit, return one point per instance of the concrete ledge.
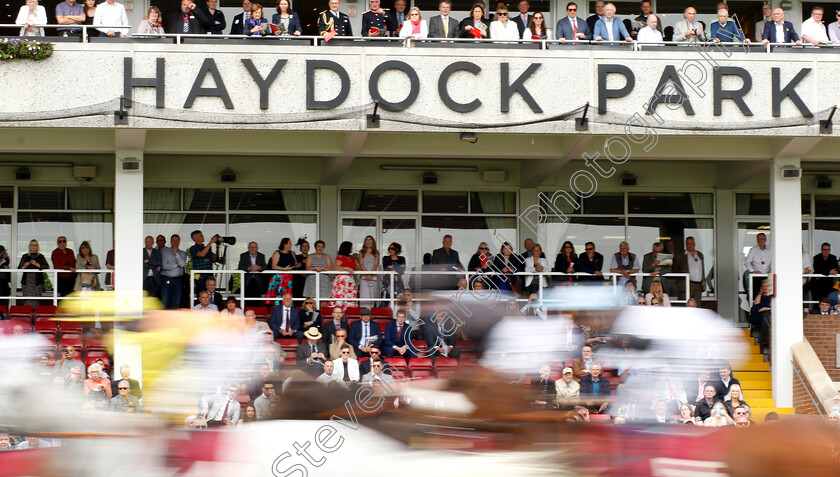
(814, 374)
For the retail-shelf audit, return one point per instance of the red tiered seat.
(350, 321)
(45, 311)
(352, 312)
(95, 344)
(444, 367)
(19, 311)
(92, 359)
(71, 325)
(398, 363)
(288, 344)
(420, 345)
(243, 399)
(382, 322)
(420, 368)
(46, 327)
(326, 311)
(291, 358)
(261, 312)
(382, 312)
(96, 353)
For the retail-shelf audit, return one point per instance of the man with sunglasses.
(63, 258)
(592, 262)
(375, 352)
(572, 27)
(124, 400)
(377, 373)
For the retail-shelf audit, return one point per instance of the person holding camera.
(86, 260)
(32, 284)
(202, 257)
(67, 362)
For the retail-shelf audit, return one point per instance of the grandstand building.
(113, 141)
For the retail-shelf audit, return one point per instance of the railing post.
(318, 291)
(55, 287)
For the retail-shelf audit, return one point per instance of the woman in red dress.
(343, 288)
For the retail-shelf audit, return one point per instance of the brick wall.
(801, 402)
(820, 331)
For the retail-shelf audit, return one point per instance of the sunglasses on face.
(590, 249)
(572, 9)
(374, 352)
(62, 241)
(483, 248)
(123, 389)
(345, 352)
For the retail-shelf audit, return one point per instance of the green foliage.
(17, 49)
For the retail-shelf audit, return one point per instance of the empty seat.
(243, 399)
(45, 311)
(353, 311)
(46, 327)
(95, 344)
(383, 322)
(398, 363)
(382, 312)
(19, 311)
(326, 311)
(260, 312)
(420, 345)
(288, 344)
(71, 340)
(420, 368)
(445, 367)
(96, 353)
(71, 325)
(350, 321)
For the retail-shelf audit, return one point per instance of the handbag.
(88, 280)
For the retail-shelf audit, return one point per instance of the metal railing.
(53, 273)
(610, 278)
(751, 290)
(317, 40)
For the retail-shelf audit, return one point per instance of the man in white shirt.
(110, 13)
(204, 304)
(757, 261)
(329, 376)
(649, 34)
(813, 30)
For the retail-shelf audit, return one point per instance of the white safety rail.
(53, 298)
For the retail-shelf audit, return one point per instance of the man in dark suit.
(593, 385)
(252, 261)
(592, 262)
(725, 381)
(703, 407)
(333, 19)
(285, 320)
(375, 352)
(312, 353)
(824, 264)
(237, 26)
(440, 337)
(572, 27)
(187, 20)
(524, 17)
(449, 261)
(336, 322)
(443, 25)
(824, 307)
(380, 18)
(360, 331)
(397, 339)
(151, 268)
(779, 30)
(599, 13)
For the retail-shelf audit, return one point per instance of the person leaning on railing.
(610, 28)
(689, 29)
(111, 13)
(32, 284)
(414, 26)
(286, 21)
(474, 21)
(257, 25)
(537, 29)
(30, 16)
(69, 12)
(86, 260)
(188, 19)
(502, 28)
(334, 21)
(90, 14)
(151, 24)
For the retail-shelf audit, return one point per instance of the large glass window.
(467, 232)
(269, 230)
(358, 200)
(670, 203)
(759, 204)
(46, 227)
(274, 199)
(605, 232)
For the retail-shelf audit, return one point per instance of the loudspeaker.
(130, 164)
(430, 178)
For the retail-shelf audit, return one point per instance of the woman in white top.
(503, 28)
(656, 292)
(535, 263)
(414, 26)
(31, 15)
(537, 29)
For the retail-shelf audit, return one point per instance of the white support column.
(128, 240)
(785, 243)
(726, 262)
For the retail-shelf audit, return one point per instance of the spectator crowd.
(109, 19)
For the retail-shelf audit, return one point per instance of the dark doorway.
(747, 14)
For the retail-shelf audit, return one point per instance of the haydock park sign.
(490, 92)
(670, 88)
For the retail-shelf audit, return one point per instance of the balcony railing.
(314, 40)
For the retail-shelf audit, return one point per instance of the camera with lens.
(225, 240)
